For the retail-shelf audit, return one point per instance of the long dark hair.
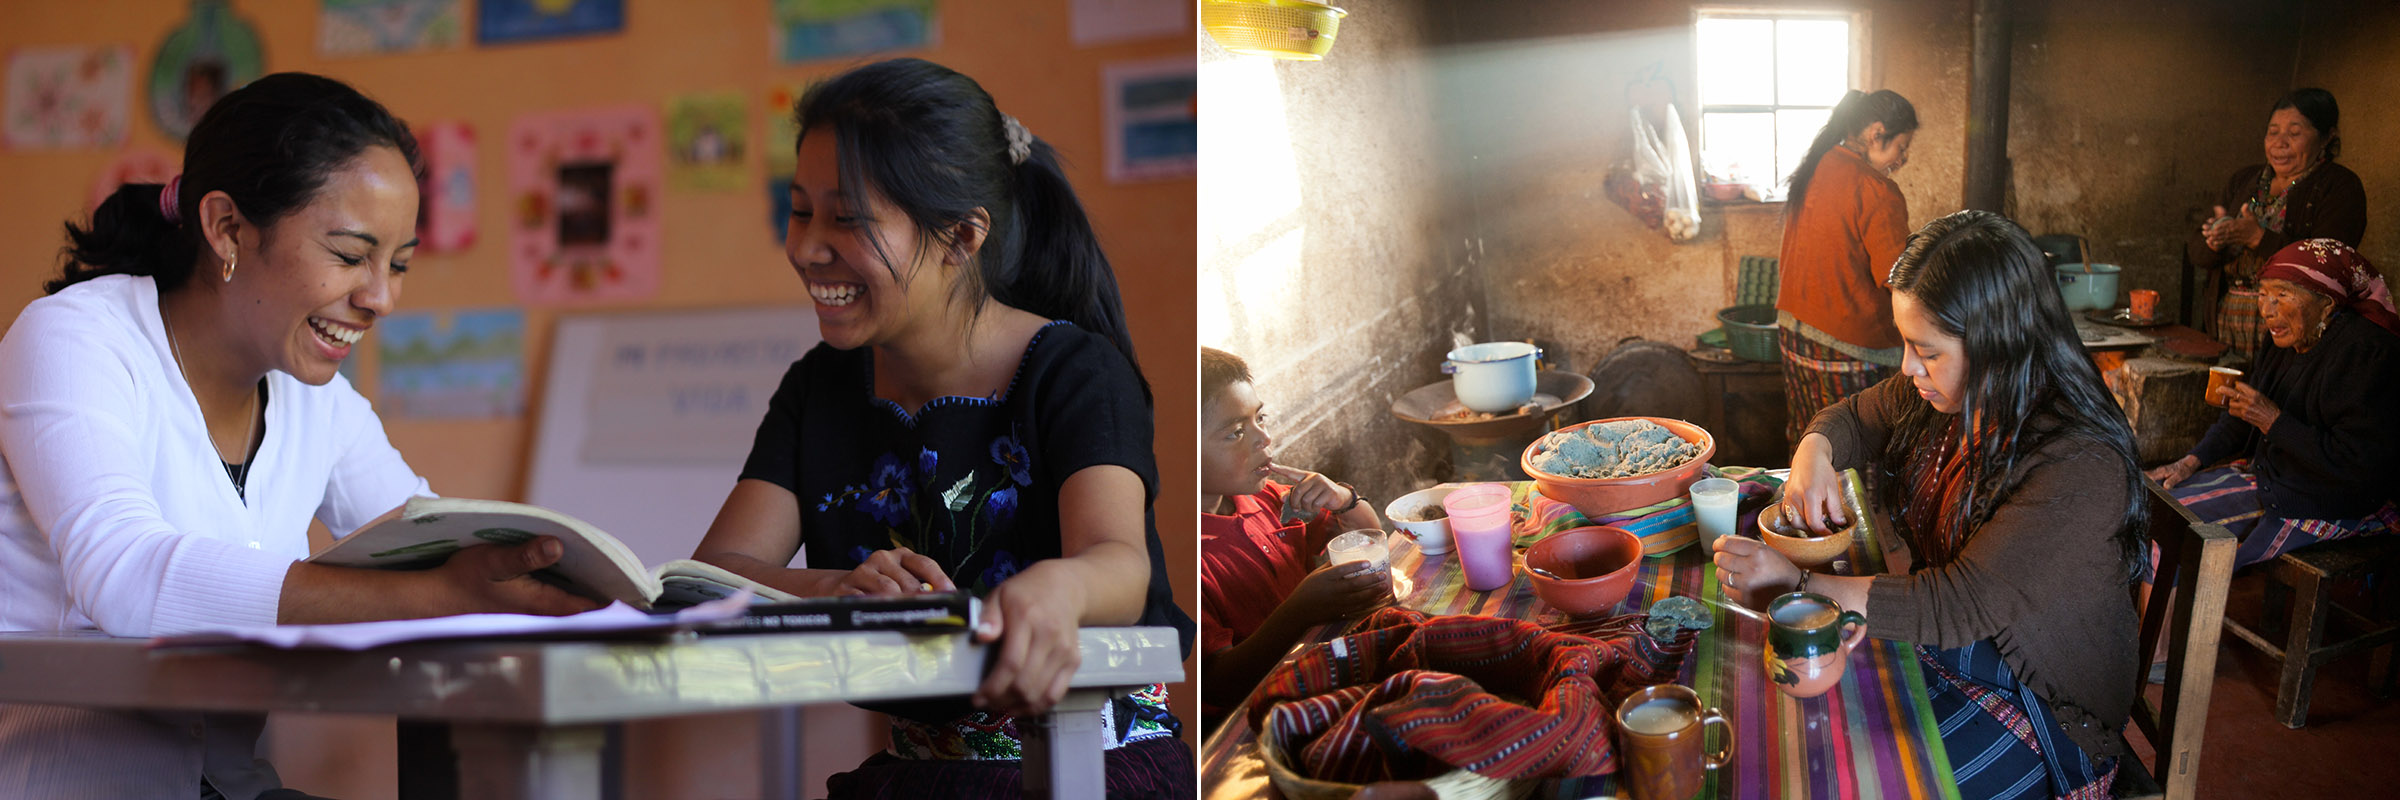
(1982, 280)
(2322, 112)
(933, 142)
(1853, 114)
(269, 145)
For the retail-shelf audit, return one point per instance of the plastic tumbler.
(1479, 527)
(1713, 502)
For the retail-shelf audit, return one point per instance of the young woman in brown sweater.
(2010, 475)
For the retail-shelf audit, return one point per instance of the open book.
(594, 564)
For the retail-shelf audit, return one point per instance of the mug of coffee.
(2220, 384)
(1659, 736)
(1809, 639)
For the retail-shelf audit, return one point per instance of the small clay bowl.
(1433, 535)
(1595, 566)
(1798, 545)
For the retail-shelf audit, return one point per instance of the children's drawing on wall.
(451, 365)
(446, 192)
(809, 30)
(138, 165)
(1152, 110)
(586, 186)
(68, 97)
(211, 53)
(781, 146)
(708, 138)
(374, 27)
(1105, 21)
(511, 21)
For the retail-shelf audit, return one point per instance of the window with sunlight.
(1768, 81)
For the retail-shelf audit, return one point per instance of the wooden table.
(527, 716)
(1872, 736)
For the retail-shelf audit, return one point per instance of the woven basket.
(1457, 784)
(1750, 331)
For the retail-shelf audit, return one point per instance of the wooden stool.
(2305, 575)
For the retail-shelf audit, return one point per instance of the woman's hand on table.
(498, 578)
(1034, 616)
(2174, 472)
(1341, 591)
(1812, 495)
(2245, 402)
(895, 571)
(1755, 570)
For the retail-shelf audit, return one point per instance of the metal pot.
(2088, 285)
(1494, 376)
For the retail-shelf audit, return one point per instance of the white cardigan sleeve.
(369, 476)
(72, 405)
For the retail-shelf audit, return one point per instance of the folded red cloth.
(1407, 697)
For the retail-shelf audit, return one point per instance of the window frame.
(1860, 72)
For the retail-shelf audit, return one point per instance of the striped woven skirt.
(1815, 376)
(2228, 496)
(2002, 740)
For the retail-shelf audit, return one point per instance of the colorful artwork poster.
(375, 27)
(812, 30)
(211, 53)
(708, 141)
(451, 365)
(779, 205)
(586, 224)
(63, 98)
(446, 192)
(138, 165)
(1152, 111)
(1105, 21)
(782, 142)
(513, 21)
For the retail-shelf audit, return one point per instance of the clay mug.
(2220, 382)
(1809, 639)
(1659, 737)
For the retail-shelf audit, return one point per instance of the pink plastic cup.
(1479, 525)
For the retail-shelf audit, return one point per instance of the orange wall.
(717, 248)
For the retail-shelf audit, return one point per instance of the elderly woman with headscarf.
(2314, 433)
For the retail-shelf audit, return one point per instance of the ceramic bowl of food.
(1597, 497)
(1419, 515)
(1594, 567)
(1803, 547)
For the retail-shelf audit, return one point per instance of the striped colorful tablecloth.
(1871, 737)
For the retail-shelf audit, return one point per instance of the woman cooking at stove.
(2300, 193)
(1843, 224)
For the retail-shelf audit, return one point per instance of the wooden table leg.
(524, 762)
(2300, 648)
(1062, 750)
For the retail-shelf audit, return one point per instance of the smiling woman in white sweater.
(171, 419)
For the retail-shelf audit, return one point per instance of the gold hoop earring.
(229, 268)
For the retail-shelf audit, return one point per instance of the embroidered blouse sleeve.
(72, 429)
(774, 450)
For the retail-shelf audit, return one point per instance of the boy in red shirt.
(1258, 593)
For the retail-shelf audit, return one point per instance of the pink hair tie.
(168, 198)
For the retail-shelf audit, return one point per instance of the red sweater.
(1250, 561)
(1839, 248)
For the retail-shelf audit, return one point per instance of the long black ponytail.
(1853, 114)
(269, 145)
(931, 140)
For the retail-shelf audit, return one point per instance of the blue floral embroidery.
(860, 553)
(1004, 566)
(1008, 453)
(888, 493)
(927, 459)
(1001, 507)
